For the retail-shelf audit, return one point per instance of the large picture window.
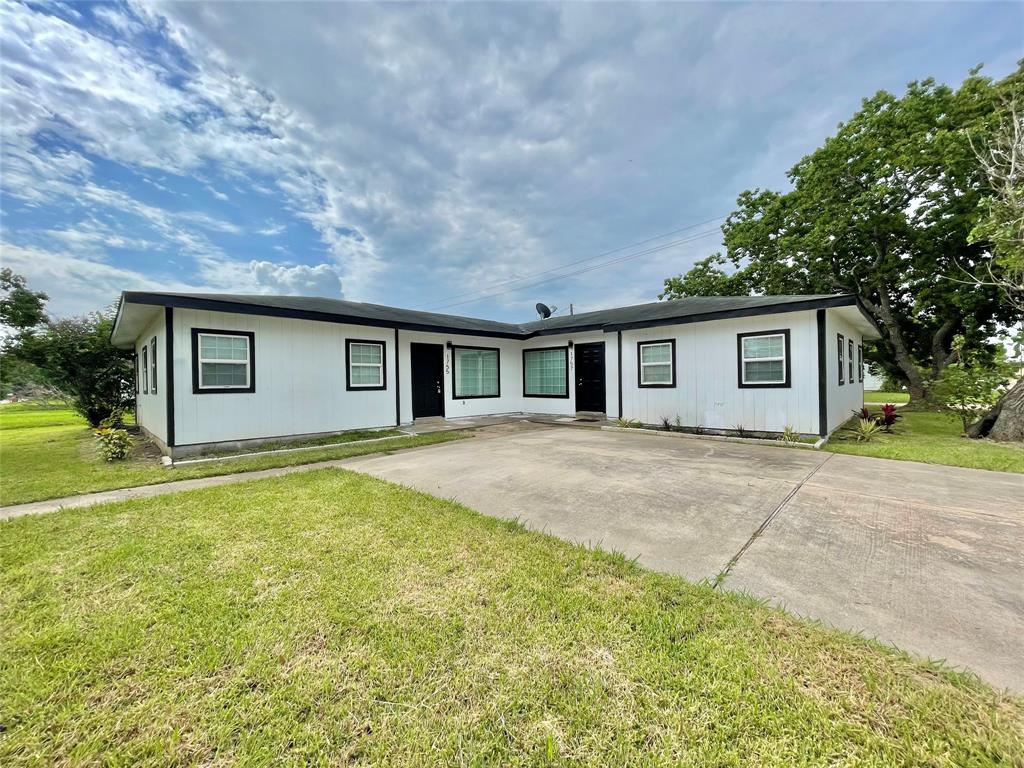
(656, 363)
(223, 361)
(764, 359)
(365, 364)
(546, 372)
(842, 358)
(477, 373)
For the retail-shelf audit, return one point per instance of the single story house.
(226, 370)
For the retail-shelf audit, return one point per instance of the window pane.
(367, 375)
(224, 347)
(764, 371)
(763, 346)
(476, 373)
(656, 353)
(545, 372)
(224, 375)
(656, 374)
(366, 353)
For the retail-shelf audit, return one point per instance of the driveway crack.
(720, 578)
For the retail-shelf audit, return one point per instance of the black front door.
(590, 377)
(427, 380)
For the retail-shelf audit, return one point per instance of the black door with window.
(590, 394)
(427, 380)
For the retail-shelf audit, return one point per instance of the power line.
(591, 268)
(567, 264)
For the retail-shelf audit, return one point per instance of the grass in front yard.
(934, 438)
(59, 458)
(332, 618)
(897, 398)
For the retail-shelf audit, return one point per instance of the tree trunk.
(1005, 422)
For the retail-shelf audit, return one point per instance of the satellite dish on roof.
(543, 310)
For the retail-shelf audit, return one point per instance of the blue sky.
(445, 157)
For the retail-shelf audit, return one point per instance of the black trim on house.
(383, 365)
(565, 351)
(619, 371)
(169, 366)
(456, 396)
(841, 361)
(860, 363)
(398, 385)
(525, 331)
(145, 369)
(728, 314)
(154, 368)
(849, 363)
(639, 368)
(196, 389)
(822, 375)
(238, 308)
(739, 360)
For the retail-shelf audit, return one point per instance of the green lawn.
(882, 398)
(332, 618)
(933, 438)
(46, 454)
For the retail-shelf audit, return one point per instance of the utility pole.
(570, 308)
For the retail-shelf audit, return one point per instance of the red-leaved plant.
(886, 419)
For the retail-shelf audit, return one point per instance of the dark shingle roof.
(687, 310)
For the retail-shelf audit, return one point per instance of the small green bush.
(789, 435)
(866, 430)
(628, 423)
(114, 443)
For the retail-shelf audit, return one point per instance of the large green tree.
(884, 210)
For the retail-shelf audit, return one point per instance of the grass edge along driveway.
(931, 438)
(333, 617)
(50, 454)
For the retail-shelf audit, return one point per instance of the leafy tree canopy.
(884, 210)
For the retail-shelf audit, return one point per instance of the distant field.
(871, 396)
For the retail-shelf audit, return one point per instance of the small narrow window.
(842, 355)
(764, 359)
(476, 373)
(850, 360)
(546, 372)
(656, 363)
(152, 347)
(365, 365)
(860, 362)
(223, 361)
(145, 371)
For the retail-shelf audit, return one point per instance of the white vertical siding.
(300, 381)
(843, 399)
(707, 392)
(151, 409)
(511, 364)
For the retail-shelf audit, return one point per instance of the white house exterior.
(218, 370)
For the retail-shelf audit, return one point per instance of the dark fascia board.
(769, 309)
(217, 305)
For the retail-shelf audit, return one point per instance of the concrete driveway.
(928, 558)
